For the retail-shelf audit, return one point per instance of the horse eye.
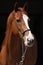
(18, 20)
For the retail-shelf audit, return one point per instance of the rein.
(23, 54)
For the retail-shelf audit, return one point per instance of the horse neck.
(15, 48)
(15, 38)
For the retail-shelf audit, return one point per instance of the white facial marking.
(25, 18)
(30, 35)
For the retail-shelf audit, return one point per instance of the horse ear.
(25, 5)
(16, 3)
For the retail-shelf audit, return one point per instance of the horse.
(19, 46)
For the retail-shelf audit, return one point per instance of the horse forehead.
(18, 14)
(25, 17)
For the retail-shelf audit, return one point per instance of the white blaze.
(30, 35)
(25, 18)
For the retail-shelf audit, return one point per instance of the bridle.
(21, 62)
(25, 31)
(23, 52)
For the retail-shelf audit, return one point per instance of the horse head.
(21, 21)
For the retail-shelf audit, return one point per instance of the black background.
(36, 24)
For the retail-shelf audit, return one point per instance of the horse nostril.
(30, 42)
(27, 39)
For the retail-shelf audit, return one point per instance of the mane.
(8, 32)
(10, 19)
(6, 44)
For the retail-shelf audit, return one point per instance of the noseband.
(25, 31)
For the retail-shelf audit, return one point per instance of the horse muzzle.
(28, 42)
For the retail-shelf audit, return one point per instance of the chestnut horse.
(19, 46)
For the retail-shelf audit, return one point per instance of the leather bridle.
(25, 31)
(23, 52)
